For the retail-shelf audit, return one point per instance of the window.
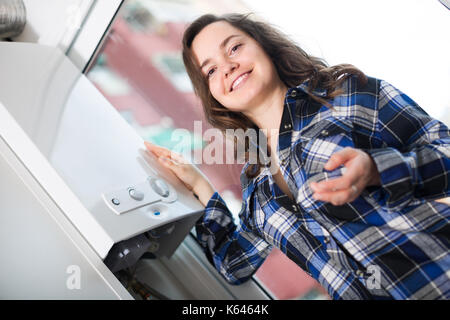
(140, 71)
(171, 65)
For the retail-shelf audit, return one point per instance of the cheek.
(267, 68)
(216, 89)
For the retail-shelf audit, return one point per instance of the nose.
(229, 68)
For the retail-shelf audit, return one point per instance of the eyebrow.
(222, 45)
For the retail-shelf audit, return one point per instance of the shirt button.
(326, 240)
(293, 93)
(360, 273)
(287, 126)
(294, 208)
(324, 133)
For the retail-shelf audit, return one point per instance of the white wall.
(405, 42)
(53, 22)
(74, 26)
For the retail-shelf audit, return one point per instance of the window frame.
(92, 33)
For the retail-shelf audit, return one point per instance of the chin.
(243, 99)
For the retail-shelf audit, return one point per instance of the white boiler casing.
(81, 151)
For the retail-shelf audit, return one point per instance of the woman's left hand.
(360, 172)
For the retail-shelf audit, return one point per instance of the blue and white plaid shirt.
(392, 242)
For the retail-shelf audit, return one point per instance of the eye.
(234, 48)
(210, 72)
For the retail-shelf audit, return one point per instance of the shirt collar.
(294, 99)
(317, 91)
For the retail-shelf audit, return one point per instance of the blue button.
(157, 213)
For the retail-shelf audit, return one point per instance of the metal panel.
(43, 255)
(91, 147)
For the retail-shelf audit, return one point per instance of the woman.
(355, 167)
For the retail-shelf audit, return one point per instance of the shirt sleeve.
(235, 251)
(415, 164)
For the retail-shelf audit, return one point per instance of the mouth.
(239, 81)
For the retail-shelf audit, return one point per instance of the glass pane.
(140, 71)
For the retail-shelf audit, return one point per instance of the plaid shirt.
(392, 242)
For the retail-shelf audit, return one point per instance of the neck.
(267, 115)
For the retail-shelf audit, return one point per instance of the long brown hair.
(293, 64)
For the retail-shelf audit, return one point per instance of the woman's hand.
(360, 172)
(188, 173)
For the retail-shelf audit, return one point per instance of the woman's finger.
(178, 158)
(350, 177)
(164, 152)
(171, 165)
(340, 158)
(168, 162)
(160, 151)
(340, 190)
(351, 171)
(154, 149)
(339, 197)
(332, 185)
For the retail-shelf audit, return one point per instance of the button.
(136, 194)
(360, 273)
(287, 126)
(294, 207)
(160, 187)
(324, 133)
(115, 201)
(293, 93)
(326, 240)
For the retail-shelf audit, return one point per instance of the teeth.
(238, 80)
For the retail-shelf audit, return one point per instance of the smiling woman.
(394, 227)
(356, 167)
(256, 52)
(230, 59)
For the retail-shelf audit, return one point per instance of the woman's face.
(239, 72)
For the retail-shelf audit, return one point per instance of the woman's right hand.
(188, 173)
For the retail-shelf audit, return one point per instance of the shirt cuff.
(212, 202)
(397, 178)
